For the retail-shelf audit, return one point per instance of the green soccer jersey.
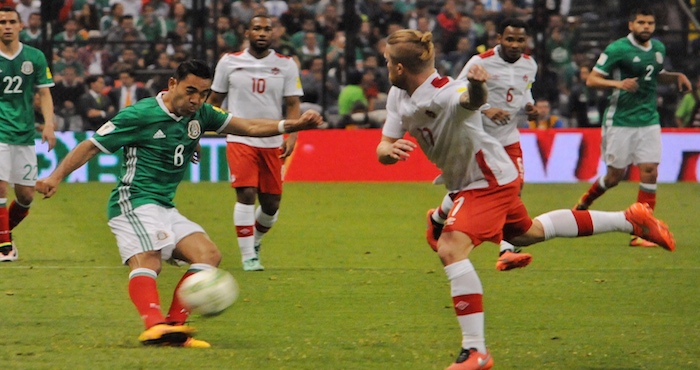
(157, 150)
(625, 58)
(20, 75)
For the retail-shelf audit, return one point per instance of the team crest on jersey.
(194, 129)
(525, 78)
(659, 58)
(27, 67)
(275, 71)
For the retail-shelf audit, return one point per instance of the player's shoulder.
(657, 45)
(32, 52)
(488, 54)
(281, 56)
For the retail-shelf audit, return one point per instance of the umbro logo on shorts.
(159, 135)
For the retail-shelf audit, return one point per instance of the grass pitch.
(350, 283)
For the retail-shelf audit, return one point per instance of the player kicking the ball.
(159, 136)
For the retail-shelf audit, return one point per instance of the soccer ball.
(208, 292)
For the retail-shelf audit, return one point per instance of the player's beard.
(260, 48)
(642, 38)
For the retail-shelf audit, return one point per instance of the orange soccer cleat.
(512, 260)
(471, 359)
(648, 227)
(636, 241)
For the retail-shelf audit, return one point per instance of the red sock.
(648, 197)
(177, 312)
(144, 294)
(4, 225)
(17, 214)
(593, 193)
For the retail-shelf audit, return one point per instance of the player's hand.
(532, 112)
(308, 120)
(197, 155)
(46, 186)
(401, 148)
(477, 74)
(288, 146)
(629, 85)
(498, 116)
(684, 83)
(48, 136)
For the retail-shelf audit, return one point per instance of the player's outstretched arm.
(267, 127)
(597, 80)
(390, 150)
(477, 94)
(74, 160)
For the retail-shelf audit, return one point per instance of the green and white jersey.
(20, 75)
(157, 146)
(625, 58)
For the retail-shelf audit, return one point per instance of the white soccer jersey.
(256, 89)
(509, 88)
(451, 137)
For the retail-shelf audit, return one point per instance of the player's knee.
(210, 256)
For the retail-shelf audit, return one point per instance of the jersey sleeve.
(608, 59)
(43, 73)
(122, 130)
(292, 81)
(392, 126)
(220, 82)
(214, 118)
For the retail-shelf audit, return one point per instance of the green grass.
(351, 284)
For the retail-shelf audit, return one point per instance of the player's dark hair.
(193, 67)
(250, 22)
(641, 11)
(11, 9)
(512, 22)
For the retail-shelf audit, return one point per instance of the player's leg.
(617, 151)
(270, 194)
(7, 253)
(637, 219)
(647, 156)
(19, 208)
(472, 222)
(243, 166)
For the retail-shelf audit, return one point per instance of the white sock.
(563, 223)
(244, 219)
(467, 294)
(505, 246)
(264, 220)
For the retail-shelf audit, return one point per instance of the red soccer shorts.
(489, 214)
(255, 167)
(515, 152)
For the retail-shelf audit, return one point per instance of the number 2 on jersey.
(258, 85)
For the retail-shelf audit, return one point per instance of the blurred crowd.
(110, 53)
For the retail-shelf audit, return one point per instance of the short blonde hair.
(413, 49)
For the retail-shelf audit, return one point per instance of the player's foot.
(471, 359)
(645, 225)
(8, 252)
(432, 233)
(195, 343)
(166, 334)
(509, 260)
(252, 264)
(641, 243)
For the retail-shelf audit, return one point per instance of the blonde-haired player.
(443, 116)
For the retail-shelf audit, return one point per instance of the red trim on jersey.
(584, 222)
(282, 56)
(468, 304)
(237, 53)
(440, 81)
(526, 56)
(488, 174)
(487, 53)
